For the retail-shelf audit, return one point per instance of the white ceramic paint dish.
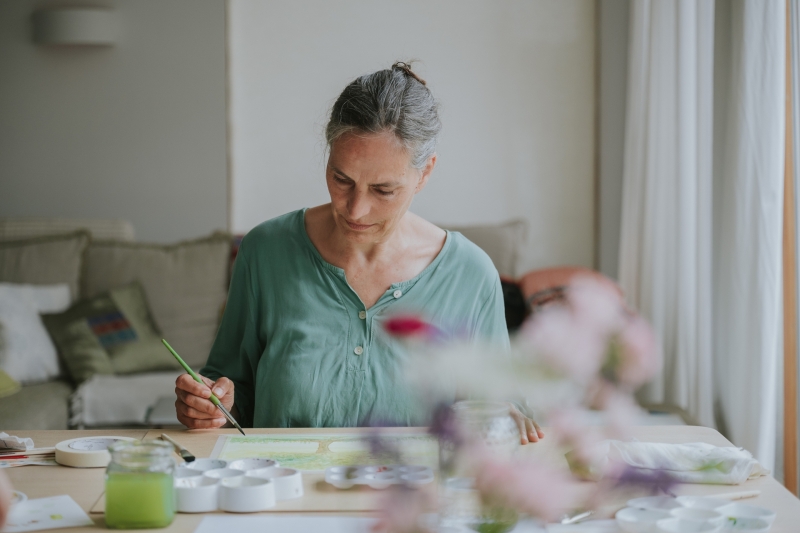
(699, 515)
(222, 473)
(197, 494)
(655, 503)
(702, 502)
(633, 520)
(245, 494)
(207, 464)
(679, 525)
(742, 510)
(288, 481)
(254, 463)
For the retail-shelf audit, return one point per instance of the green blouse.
(302, 349)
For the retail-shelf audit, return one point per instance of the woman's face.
(371, 183)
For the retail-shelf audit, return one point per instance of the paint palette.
(378, 477)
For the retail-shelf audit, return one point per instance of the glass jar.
(460, 503)
(139, 485)
(491, 423)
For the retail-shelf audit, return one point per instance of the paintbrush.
(213, 398)
(183, 452)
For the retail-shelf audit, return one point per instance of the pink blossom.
(399, 511)
(566, 344)
(596, 305)
(621, 411)
(570, 428)
(640, 357)
(530, 487)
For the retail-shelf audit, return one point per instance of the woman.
(301, 342)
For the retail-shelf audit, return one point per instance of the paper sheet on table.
(11, 442)
(46, 513)
(285, 524)
(315, 453)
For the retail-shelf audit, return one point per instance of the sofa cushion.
(107, 400)
(186, 285)
(27, 353)
(112, 332)
(42, 406)
(501, 242)
(26, 227)
(44, 260)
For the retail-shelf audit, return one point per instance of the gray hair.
(393, 100)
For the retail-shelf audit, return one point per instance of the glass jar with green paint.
(139, 491)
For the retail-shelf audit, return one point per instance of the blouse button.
(359, 350)
(362, 315)
(398, 293)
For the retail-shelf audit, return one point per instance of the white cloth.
(696, 462)
(26, 352)
(116, 400)
(11, 442)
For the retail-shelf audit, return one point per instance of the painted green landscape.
(318, 452)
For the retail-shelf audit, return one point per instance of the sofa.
(185, 287)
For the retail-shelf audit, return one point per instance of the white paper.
(46, 513)
(285, 524)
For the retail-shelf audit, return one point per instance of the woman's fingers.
(186, 383)
(195, 423)
(530, 430)
(539, 431)
(519, 419)
(193, 407)
(223, 390)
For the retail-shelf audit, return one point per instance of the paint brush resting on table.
(185, 454)
(213, 398)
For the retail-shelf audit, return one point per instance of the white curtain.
(748, 318)
(709, 282)
(665, 262)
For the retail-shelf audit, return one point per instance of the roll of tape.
(86, 452)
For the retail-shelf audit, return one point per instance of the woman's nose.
(358, 206)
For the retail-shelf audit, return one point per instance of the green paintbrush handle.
(189, 370)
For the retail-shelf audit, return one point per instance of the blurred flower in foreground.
(573, 361)
(526, 486)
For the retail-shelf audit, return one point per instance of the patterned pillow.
(113, 332)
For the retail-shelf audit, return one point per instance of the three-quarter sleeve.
(237, 348)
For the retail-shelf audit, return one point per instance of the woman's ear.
(426, 173)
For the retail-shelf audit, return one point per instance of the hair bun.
(406, 67)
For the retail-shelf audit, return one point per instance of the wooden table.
(86, 485)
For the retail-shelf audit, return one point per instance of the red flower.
(408, 326)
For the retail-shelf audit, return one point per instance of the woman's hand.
(529, 430)
(195, 410)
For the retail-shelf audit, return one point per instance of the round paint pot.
(288, 481)
(207, 464)
(223, 473)
(245, 494)
(201, 496)
(254, 463)
(634, 520)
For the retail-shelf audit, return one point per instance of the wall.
(516, 81)
(613, 28)
(134, 131)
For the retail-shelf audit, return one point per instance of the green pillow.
(112, 333)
